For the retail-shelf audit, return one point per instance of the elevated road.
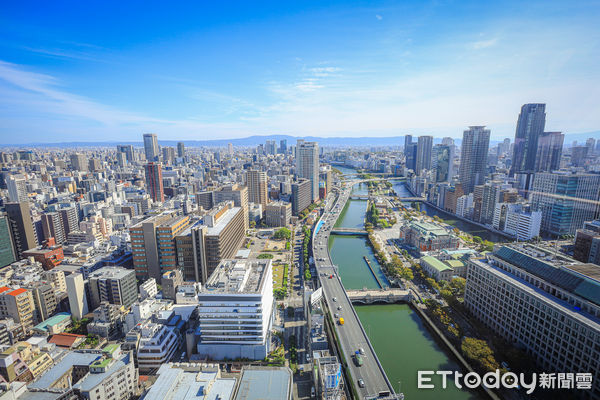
(351, 335)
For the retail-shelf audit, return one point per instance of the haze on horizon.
(110, 71)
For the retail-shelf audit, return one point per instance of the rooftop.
(435, 263)
(47, 380)
(238, 276)
(222, 221)
(576, 277)
(111, 272)
(54, 320)
(265, 384)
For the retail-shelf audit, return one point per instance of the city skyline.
(332, 70)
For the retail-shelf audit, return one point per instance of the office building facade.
(307, 162)
(151, 147)
(530, 126)
(154, 181)
(473, 160)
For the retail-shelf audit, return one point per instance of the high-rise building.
(473, 160)
(154, 181)
(443, 159)
(565, 199)
(23, 234)
(301, 192)
(542, 302)
(257, 187)
(165, 241)
(114, 285)
(52, 226)
(151, 147)
(549, 151)
(235, 311)
(530, 127)
(407, 141)
(307, 163)
(77, 297)
(236, 193)
(202, 246)
(17, 188)
(410, 153)
(271, 147)
(424, 147)
(180, 149)
(587, 243)
(44, 298)
(579, 155)
(70, 220)
(126, 149)
(79, 162)
(518, 220)
(168, 154)
(278, 214)
(7, 252)
(283, 146)
(18, 304)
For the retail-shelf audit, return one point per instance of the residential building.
(53, 227)
(17, 188)
(473, 160)
(236, 310)
(7, 250)
(307, 164)
(257, 187)
(23, 234)
(78, 303)
(126, 149)
(154, 181)
(18, 304)
(542, 302)
(424, 148)
(202, 246)
(69, 219)
(236, 193)
(170, 281)
(157, 345)
(565, 199)
(44, 299)
(530, 127)
(278, 213)
(180, 149)
(443, 160)
(301, 196)
(148, 289)
(79, 162)
(115, 285)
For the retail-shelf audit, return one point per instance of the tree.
(283, 233)
(434, 285)
(252, 224)
(265, 256)
(406, 273)
(458, 285)
(480, 353)
(477, 240)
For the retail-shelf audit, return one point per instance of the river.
(403, 345)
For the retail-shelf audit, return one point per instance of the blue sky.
(113, 70)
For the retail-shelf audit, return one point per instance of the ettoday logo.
(508, 380)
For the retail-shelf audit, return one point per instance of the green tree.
(477, 240)
(283, 233)
(480, 353)
(458, 285)
(265, 256)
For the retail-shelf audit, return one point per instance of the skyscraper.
(151, 146)
(154, 182)
(424, 146)
(127, 149)
(7, 251)
(23, 234)
(79, 162)
(474, 150)
(307, 162)
(410, 152)
(257, 187)
(180, 150)
(566, 200)
(443, 156)
(17, 188)
(283, 146)
(407, 141)
(549, 151)
(530, 126)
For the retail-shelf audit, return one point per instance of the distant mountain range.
(291, 140)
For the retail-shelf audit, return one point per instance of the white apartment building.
(236, 311)
(517, 220)
(464, 204)
(148, 289)
(157, 345)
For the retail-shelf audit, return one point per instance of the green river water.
(402, 343)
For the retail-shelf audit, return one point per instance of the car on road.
(361, 383)
(335, 298)
(336, 315)
(361, 351)
(339, 308)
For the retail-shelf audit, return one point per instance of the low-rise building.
(157, 344)
(426, 236)
(442, 270)
(53, 325)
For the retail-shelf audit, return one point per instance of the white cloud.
(483, 44)
(379, 17)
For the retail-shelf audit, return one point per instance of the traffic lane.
(351, 338)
